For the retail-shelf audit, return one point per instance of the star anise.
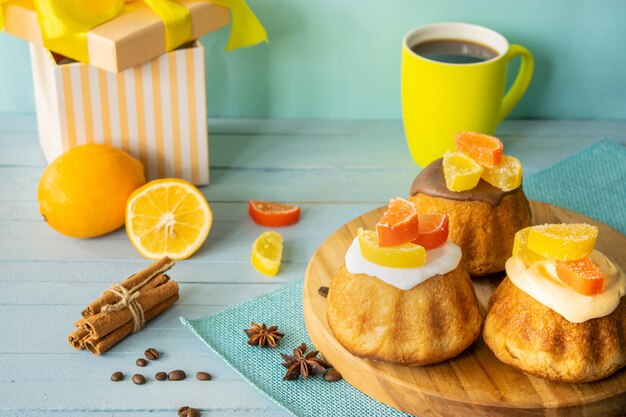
(302, 365)
(261, 335)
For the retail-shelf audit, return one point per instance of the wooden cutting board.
(475, 383)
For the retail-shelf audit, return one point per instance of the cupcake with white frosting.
(404, 295)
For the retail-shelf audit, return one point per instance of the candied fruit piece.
(408, 255)
(506, 176)
(460, 171)
(521, 250)
(484, 149)
(433, 230)
(399, 224)
(582, 275)
(563, 242)
(267, 252)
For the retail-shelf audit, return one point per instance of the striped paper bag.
(155, 111)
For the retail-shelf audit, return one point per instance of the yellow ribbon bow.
(65, 23)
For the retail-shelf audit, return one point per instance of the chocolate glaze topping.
(432, 182)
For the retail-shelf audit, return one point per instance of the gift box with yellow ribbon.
(115, 35)
(128, 73)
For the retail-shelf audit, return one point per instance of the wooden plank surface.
(336, 170)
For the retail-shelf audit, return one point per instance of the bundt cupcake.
(408, 304)
(562, 320)
(486, 205)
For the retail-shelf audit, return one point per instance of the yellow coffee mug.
(440, 99)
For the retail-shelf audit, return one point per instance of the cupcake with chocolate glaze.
(481, 191)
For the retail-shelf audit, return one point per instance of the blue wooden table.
(335, 170)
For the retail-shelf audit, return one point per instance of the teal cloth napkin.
(592, 182)
(223, 332)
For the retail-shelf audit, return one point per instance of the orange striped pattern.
(155, 111)
(104, 107)
(70, 140)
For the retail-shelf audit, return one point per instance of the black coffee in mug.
(454, 51)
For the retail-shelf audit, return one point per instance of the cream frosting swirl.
(440, 260)
(541, 282)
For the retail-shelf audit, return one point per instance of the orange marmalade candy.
(460, 171)
(399, 224)
(520, 248)
(507, 175)
(484, 149)
(582, 275)
(408, 255)
(433, 228)
(563, 242)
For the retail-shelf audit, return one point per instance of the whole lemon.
(83, 192)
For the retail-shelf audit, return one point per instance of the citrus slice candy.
(506, 176)
(408, 255)
(267, 252)
(399, 224)
(520, 248)
(582, 275)
(484, 149)
(461, 172)
(433, 230)
(272, 214)
(563, 242)
(168, 217)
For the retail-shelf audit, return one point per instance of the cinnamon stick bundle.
(124, 308)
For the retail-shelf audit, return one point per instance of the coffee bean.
(117, 376)
(323, 291)
(176, 375)
(332, 376)
(139, 379)
(187, 411)
(160, 376)
(203, 376)
(141, 362)
(193, 412)
(152, 354)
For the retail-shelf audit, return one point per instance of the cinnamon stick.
(77, 338)
(99, 346)
(107, 297)
(101, 324)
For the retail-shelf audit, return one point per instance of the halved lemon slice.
(168, 217)
(267, 252)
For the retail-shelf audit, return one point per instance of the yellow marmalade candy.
(407, 255)
(461, 172)
(520, 248)
(507, 175)
(563, 242)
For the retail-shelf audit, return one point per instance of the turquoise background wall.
(341, 59)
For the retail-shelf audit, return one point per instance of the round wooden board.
(474, 383)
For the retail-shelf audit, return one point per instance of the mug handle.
(522, 80)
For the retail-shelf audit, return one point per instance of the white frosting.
(541, 282)
(440, 260)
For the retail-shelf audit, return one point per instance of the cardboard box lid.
(124, 42)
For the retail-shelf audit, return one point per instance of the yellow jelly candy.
(267, 252)
(461, 172)
(520, 248)
(563, 242)
(507, 175)
(407, 255)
